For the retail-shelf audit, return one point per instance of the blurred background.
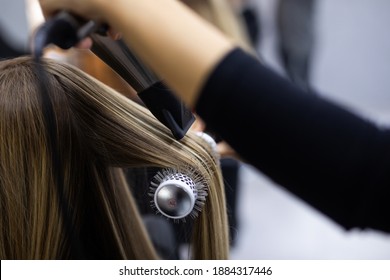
(350, 63)
(337, 49)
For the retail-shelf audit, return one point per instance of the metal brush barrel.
(175, 197)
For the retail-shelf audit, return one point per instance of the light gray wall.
(13, 21)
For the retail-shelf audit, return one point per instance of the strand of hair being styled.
(99, 132)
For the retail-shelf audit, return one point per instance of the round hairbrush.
(177, 195)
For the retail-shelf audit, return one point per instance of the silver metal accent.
(175, 197)
(210, 140)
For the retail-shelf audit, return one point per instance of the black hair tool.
(155, 95)
(66, 30)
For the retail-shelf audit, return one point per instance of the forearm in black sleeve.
(326, 155)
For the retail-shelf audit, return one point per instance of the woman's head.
(99, 132)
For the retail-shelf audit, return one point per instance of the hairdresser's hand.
(87, 42)
(223, 149)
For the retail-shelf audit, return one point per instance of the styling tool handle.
(155, 95)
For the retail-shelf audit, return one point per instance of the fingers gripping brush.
(178, 194)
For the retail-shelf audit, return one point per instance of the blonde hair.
(100, 132)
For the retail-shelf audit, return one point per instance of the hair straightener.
(65, 30)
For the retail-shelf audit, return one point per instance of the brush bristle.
(188, 177)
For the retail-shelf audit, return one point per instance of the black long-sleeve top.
(323, 153)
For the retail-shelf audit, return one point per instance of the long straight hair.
(100, 132)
